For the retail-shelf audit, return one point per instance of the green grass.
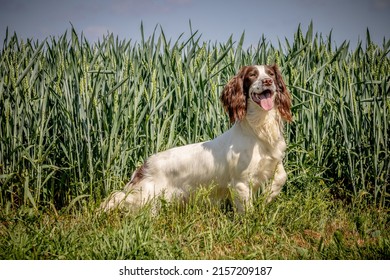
(76, 119)
(298, 225)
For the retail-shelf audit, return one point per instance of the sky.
(215, 20)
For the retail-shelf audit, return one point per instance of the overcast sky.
(216, 20)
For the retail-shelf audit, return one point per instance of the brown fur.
(234, 95)
(139, 174)
(283, 97)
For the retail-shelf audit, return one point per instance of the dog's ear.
(283, 97)
(233, 97)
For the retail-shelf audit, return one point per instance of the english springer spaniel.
(236, 163)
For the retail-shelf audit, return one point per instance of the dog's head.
(260, 84)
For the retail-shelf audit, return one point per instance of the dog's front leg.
(242, 197)
(278, 181)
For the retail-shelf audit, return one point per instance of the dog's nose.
(267, 81)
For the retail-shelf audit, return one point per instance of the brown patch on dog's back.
(139, 174)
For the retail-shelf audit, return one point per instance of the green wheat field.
(77, 118)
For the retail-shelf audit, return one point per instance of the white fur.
(240, 160)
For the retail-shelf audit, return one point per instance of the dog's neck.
(266, 125)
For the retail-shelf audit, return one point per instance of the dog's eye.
(252, 74)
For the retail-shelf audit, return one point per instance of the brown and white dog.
(237, 162)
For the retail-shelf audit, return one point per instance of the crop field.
(76, 119)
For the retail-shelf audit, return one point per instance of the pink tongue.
(266, 101)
